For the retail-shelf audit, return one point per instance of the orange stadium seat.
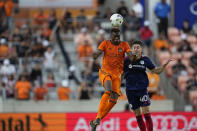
(182, 82)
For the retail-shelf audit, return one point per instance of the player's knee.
(137, 112)
(108, 85)
(145, 110)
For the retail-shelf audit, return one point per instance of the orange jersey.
(113, 58)
(63, 93)
(23, 89)
(40, 92)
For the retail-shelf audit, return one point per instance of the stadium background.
(52, 52)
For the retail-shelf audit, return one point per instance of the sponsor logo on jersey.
(119, 49)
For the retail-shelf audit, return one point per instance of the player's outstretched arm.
(159, 70)
(131, 56)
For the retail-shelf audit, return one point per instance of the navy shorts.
(138, 98)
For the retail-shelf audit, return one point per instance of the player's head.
(137, 47)
(115, 35)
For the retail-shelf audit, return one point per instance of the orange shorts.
(116, 81)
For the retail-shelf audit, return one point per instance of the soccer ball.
(116, 20)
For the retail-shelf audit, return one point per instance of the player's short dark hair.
(136, 42)
(115, 30)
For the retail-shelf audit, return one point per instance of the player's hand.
(171, 59)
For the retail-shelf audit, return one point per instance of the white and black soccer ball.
(116, 20)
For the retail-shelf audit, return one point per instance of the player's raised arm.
(97, 54)
(159, 70)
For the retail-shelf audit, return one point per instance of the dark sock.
(141, 123)
(149, 122)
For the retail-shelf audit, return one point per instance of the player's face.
(137, 49)
(115, 36)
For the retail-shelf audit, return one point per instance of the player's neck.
(115, 43)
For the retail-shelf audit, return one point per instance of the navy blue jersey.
(135, 74)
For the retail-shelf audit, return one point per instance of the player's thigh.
(116, 82)
(105, 80)
(146, 109)
(133, 99)
(144, 98)
(137, 112)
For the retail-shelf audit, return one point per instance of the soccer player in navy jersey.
(137, 83)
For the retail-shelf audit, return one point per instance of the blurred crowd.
(27, 50)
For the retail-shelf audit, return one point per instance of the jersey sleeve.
(149, 63)
(127, 47)
(102, 46)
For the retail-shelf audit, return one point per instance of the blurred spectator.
(85, 52)
(84, 92)
(24, 68)
(194, 28)
(108, 13)
(23, 48)
(161, 43)
(36, 73)
(17, 37)
(40, 91)
(97, 19)
(67, 21)
(161, 11)
(122, 9)
(9, 85)
(133, 22)
(4, 49)
(81, 19)
(154, 80)
(100, 37)
(9, 5)
(186, 29)
(131, 26)
(138, 9)
(193, 60)
(26, 32)
(40, 18)
(184, 45)
(146, 35)
(181, 68)
(6, 70)
(64, 91)
(46, 31)
(83, 36)
(88, 78)
(22, 89)
(50, 81)
(192, 83)
(52, 19)
(50, 60)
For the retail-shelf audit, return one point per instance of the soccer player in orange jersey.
(110, 73)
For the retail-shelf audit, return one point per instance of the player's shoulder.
(124, 42)
(146, 58)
